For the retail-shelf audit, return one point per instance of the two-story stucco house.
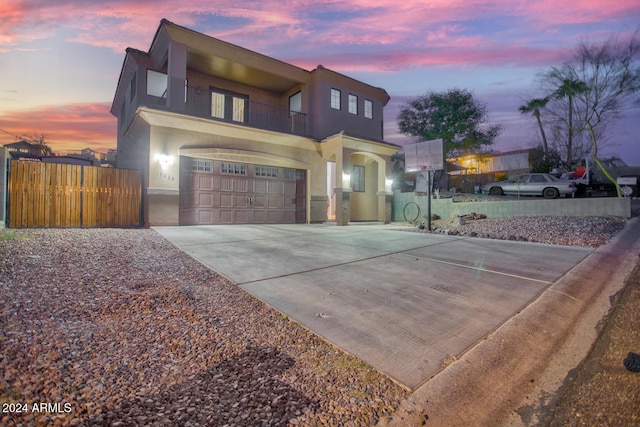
(224, 135)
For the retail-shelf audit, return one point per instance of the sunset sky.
(60, 59)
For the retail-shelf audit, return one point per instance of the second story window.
(353, 104)
(228, 105)
(335, 99)
(368, 109)
(295, 104)
(217, 105)
(156, 84)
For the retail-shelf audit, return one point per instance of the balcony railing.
(244, 112)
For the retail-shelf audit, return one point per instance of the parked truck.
(591, 181)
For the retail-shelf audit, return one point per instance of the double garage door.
(217, 192)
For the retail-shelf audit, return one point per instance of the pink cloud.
(67, 127)
(121, 23)
(396, 60)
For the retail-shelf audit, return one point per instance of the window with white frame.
(229, 105)
(200, 165)
(335, 99)
(217, 105)
(233, 169)
(289, 174)
(353, 104)
(266, 172)
(357, 178)
(239, 109)
(368, 109)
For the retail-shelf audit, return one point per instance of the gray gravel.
(589, 231)
(118, 327)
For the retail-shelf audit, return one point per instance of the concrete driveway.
(404, 302)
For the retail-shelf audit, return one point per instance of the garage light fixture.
(164, 160)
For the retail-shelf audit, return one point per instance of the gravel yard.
(118, 327)
(588, 231)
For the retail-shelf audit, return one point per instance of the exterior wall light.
(346, 180)
(164, 160)
(388, 184)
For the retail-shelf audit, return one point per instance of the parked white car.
(532, 184)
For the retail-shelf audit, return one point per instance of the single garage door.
(217, 192)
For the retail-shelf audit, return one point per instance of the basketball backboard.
(424, 156)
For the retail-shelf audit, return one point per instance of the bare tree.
(591, 89)
(39, 140)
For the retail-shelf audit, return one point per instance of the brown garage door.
(216, 192)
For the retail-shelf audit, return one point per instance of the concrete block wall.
(527, 206)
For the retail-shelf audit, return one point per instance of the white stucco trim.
(243, 156)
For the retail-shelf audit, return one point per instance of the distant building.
(69, 160)
(24, 150)
(510, 163)
(86, 156)
(111, 157)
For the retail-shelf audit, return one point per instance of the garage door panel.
(214, 192)
(243, 217)
(241, 185)
(240, 201)
(275, 202)
(275, 217)
(275, 187)
(259, 201)
(289, 187)
(226, 200)
(205, 199)
(204, 216)
(260, 217)
(226, 184)
(260, 187)
(205, 182)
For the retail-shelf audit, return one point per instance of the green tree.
(456, 116)
(533, 107)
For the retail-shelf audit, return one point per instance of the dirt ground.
(604, 390)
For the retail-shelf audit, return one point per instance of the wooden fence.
(60, 195)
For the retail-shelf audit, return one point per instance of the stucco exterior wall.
(364, 205)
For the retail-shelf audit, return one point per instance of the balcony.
(215, 106)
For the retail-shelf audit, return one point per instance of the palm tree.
(533, 107)
(569, 88)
